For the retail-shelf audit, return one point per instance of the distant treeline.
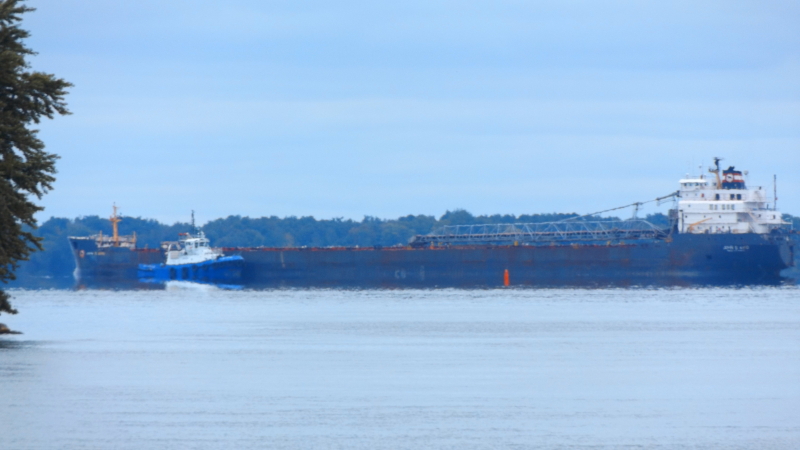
(56, 261)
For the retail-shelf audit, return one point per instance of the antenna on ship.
(775, 192)
(194, 228)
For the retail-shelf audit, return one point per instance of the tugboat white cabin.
(191, 250)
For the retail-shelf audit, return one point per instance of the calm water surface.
(201, 368)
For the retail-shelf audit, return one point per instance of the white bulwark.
(724, 204)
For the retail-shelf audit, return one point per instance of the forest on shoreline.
(54, 266)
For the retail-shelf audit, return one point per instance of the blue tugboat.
(193, 259)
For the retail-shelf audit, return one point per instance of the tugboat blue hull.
(227, 269)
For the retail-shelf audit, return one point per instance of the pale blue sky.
(346, 109)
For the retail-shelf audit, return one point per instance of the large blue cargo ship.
(721, 233)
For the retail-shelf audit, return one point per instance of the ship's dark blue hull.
(227, 270)
(681, 260)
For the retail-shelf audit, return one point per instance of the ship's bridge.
(694, 184)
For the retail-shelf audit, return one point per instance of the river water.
(202, 368)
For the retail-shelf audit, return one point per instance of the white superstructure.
(191, 250)
(724, 204)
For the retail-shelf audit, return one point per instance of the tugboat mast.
(775, 192)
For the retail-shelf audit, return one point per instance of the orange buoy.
(505, 278)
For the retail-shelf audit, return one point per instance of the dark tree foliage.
(26, 170)
(658, 219)
(235, 231)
